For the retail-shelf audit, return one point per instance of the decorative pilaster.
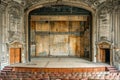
(2, 12)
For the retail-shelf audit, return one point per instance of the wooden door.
(15, 55)
(102, 55)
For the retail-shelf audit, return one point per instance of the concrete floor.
(58, 62)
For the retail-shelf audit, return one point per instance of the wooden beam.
(33, 69)
(59, 18)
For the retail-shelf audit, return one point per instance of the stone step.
(7, 68)
(112, 69)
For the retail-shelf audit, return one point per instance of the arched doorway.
(104, 52)
(15, 50)
(60, 30)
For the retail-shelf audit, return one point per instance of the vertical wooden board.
(75, 45)
(82, 26)
(42, 46)
(72, 44)
(55, 26)
(59, 26)
(82, 46)
(64, 26)
(102, 55)
(64, 45)
(59, 45)
(78, 46)
(87, 38)
(75, 26)
(42, 26)
(12, 56)
(33, 25)
(17, 55)
(87, 43)
(38, 26)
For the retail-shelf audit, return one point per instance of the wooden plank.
(59, 26)
(17, 55)
(42, 26)
(61, 38)
(75, 26)
(66, 70)
(12, 58)
(59, 45)
(102, 55)
(42, 46)
(59, 18)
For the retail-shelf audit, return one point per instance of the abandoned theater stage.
(62, 35)
(60, 64)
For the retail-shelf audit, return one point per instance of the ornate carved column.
(116, 22)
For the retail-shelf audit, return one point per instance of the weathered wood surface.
(59, 18)
(60, 38)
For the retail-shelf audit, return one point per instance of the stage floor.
(58, 62)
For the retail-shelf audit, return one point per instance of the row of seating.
(13, 75)
(9, 74)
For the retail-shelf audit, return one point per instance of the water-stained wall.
(60, 38)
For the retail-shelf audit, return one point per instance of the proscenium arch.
(79, 5)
